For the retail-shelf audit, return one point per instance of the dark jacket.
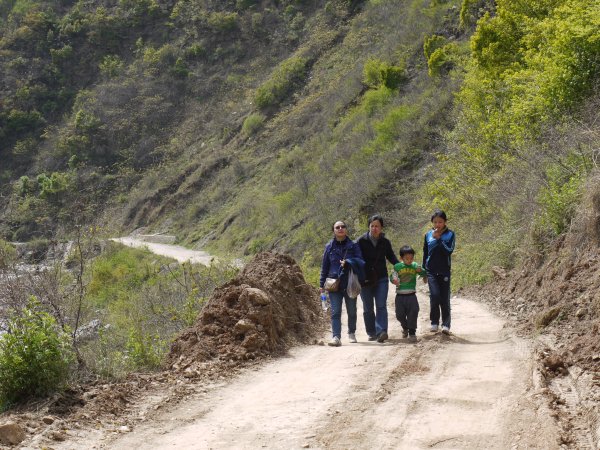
(358, 267)
(375, 256)
(334, 252)
(437, 252)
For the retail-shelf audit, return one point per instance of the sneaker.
(434, 328)
(445, 329)
(382, 337)
(372, 338)
(412, 338)
(335, 342)
(404, 333)
(352, 338)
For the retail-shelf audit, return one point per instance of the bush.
(378, 73)
(252, 124)
(283, 80)
(111, 66)
(442, 60)
(35, 356)
(432, 43)
(8, 254)
(223, 21)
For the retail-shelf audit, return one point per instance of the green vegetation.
(520, 154)
(247, 127)
(35, 356)
(284, 79)
(146, 300)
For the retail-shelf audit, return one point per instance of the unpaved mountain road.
(475, 389)
(472, 390)
(176, 252)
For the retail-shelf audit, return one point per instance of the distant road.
(177, 252)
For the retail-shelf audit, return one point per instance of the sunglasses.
(340, 227)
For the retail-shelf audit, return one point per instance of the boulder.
(11, 433)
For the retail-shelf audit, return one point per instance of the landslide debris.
(263, 311)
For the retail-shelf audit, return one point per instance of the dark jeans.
(439, 298)
(407, 311)
(376, 318)
(336, 299)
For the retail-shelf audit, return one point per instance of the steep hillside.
(240, 125)
(249, 125)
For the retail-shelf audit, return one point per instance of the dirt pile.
(266, 309)
(555, 297)
(559, 293)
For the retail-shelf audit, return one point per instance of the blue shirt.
(437, 252)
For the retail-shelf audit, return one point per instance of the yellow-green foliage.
(35, 355)
(146, 300)
(561, 193)
(7, 254)
(378, 73)
(532, 64)
(252, 124)
(111, 66)
(282, 81)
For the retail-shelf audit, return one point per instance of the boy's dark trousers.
(407, 311)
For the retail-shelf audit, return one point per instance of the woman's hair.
(375, 217)
(439, 213)
(406, 250)
(333, 225)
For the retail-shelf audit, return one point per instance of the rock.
(554, 362)
(499, 272)
(124, 429)
(11, 433)
(48, 420)
(255, 296)
(580, 313)
(243, 326)
(58, 436)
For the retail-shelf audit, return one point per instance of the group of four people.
(374, 249)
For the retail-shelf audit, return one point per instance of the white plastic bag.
(353, 288)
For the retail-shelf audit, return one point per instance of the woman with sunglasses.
(340, 248)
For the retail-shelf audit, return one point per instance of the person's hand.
(321, 290)
(342, 262)
(424, 280)
(437, 233)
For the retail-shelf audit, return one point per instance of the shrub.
(441, 61)
(8, 254)
(283, 80)
(252, 124)
(223, 21)
(378, 73)
(35, 356)
(111, 66)
(432, 43)
(562, 193)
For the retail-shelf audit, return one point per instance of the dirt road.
(176, 252)
(471, 390)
